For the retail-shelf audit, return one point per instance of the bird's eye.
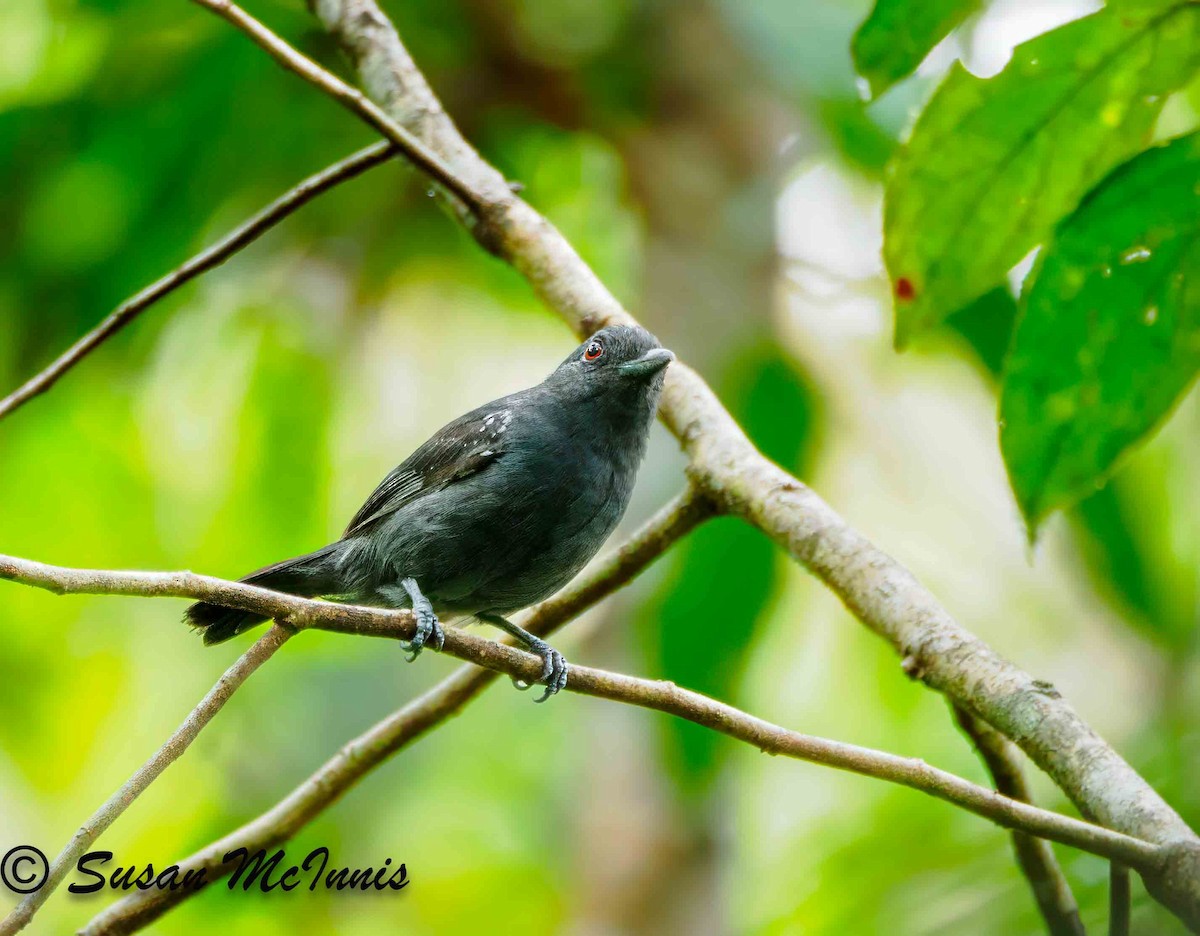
(593, 351)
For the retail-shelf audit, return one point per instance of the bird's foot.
(554, 669)
(429, 628)
(554, 665)
(429, 634)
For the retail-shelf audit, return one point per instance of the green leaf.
(987, 326)
(898, 34)
(862, 142)
(1109, 334)
(993, 165)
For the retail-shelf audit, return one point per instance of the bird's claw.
(429, 633)
(554, 670)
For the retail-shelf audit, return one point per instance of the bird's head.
(611, 383)
(619, 359)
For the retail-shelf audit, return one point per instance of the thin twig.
(1034, 855)
(1120, 898)
(655, 537)
(258, 654)
(662, 696)
(351, 98)
(246, 233)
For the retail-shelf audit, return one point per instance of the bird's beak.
(649, 363)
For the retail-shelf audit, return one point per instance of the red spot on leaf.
(905, 290)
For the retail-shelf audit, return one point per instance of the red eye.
(593, 351)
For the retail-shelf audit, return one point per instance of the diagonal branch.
(725, 465)
(258, 654)
(414, 149)
(365, 752)
(246, 233)
(655, 537)
(1034, 855)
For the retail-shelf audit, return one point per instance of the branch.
(365, 752)
(666, 697)
(305, 613)
(1034, 855)
(673, 522)
(258, 654)
(420, 155)
(246, 233)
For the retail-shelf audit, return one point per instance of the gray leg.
(554, 665)
(429, 628)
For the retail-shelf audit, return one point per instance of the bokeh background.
(715, 162)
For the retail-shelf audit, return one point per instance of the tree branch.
(246, 233)
(356, 102)
(305, 613)
(671, 523)
(662, 696)
(1034, 855)
(724, 464)
(258, 654)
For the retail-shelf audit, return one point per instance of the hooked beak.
(648, 364)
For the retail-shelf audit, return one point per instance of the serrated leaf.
(898, 34)
(1109, 334)
(993, 164)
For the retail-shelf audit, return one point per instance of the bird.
(497, 511)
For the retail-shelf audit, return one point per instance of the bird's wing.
(463, 448)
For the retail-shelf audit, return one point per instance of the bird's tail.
(309, 576)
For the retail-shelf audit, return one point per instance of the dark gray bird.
(500, 509)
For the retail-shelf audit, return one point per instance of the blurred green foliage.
(246, 417)
(702, 625)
